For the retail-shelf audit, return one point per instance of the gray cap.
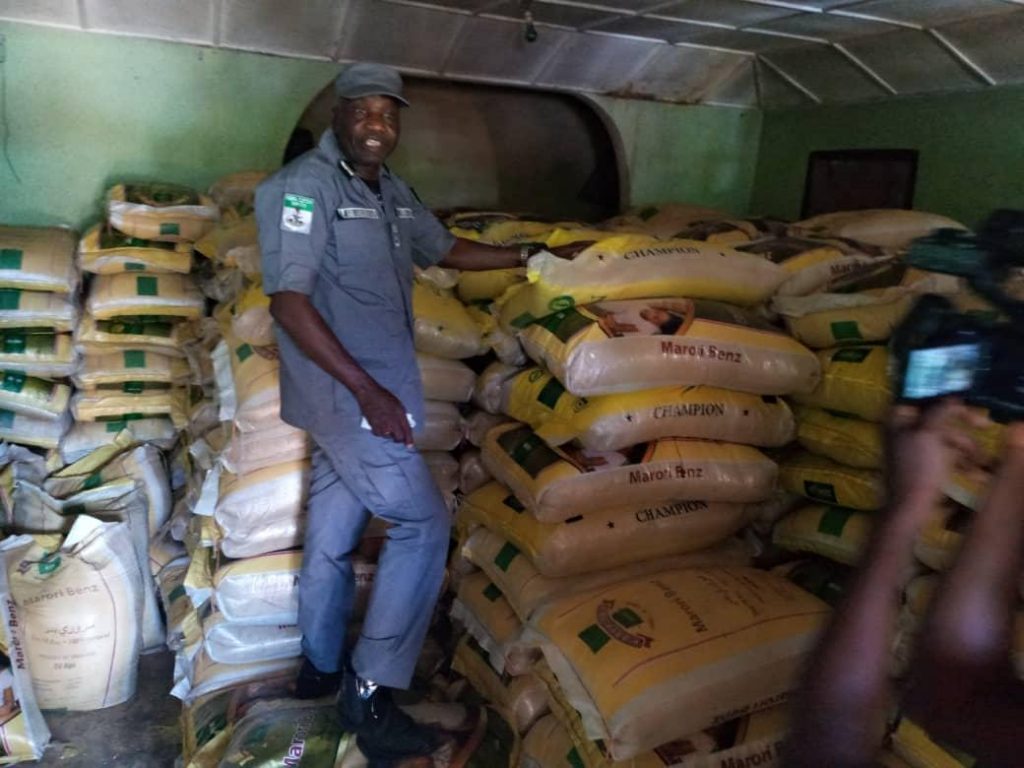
(365, 79)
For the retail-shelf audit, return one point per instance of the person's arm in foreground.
(839, 714)
(963, 687)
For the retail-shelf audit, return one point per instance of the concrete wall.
(85, 110)
(970, 149)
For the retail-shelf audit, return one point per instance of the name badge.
(405, 213)
(358, 213)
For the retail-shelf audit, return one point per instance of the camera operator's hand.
(923, 447)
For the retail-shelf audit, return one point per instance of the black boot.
(311, 683)
(383, 731)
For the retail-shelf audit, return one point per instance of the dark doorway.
(858, 179)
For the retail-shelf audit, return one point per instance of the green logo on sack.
(10, 258)
(846, 330)
(504, 558)
(10, 298)
(851, 355)
(7, 419)
(244, 352)
(561, 303)
(134, 266)
(12, 381)
(95, 480)
(147, 285)
(834, 521)
(134, 358)
(170, 228)
(14, 342)
(492, 593)
(49, 564)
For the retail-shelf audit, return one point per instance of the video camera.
(979, 357)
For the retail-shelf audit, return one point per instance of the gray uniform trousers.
(354, 475)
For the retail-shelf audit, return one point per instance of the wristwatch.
(526, 250)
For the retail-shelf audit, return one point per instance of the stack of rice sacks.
(609, 570)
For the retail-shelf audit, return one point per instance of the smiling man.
(340, 234)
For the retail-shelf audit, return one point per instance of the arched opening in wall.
(495, 148)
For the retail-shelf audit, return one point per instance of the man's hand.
(385, 414)
(924, 445)
(570, 251)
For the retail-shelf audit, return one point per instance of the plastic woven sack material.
(247, 452)
(37, 309)
(731, 233)
(854, 381)
(91, 582)
(441, 429)
(850, 441)
(833, 532)
(489, 284)
(226, 642)
(622, 346)
(490, 385)
(251, 321)
(652, 660)
(556, 484)
(526, 589)
(28, 430)
(182, 617)
(635, 267)
(256, 386)
(826, 481)
(38, 259)
(218, 244)
(236, 190)
(447, 380)
(86, 436)
(37, 352)
(502, 343)
(139, 295)
(163, 212)
(114, 405)
(24, 732)
(147, 334)
(490, 619)
(520, 700)
(473, 475)
(662, 219)
(602, 537)
(33, 397)
(884, 227)
(105, 251)
(441, 325)
(613, 422)
(273, 732)
(125, 366)
(444, 468)
(262, 512)
(507, 231)
(204, 676)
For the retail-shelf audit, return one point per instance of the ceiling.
(742, 53)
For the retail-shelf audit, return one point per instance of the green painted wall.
(971, 147)
(86, 110)
(697, 154)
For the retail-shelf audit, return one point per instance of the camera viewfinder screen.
(938, 371)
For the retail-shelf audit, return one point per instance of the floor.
(142, 733)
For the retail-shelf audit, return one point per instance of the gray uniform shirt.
(323, 232)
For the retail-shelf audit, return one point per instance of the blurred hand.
(385, 414)
(570, 250)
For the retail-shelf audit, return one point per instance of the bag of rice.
(36, 309)
(854, 381)
(489, 284)
(612, 422)
(80, 604)
(850, 441)
(224, 240)
(140, 295)
(228, 643)
(236, 190)
(444, 468)
(164, 212)
(526, 589)
(479, 423)
(441, 429)
(488, 391)
(662, 219)
(23, 733)
(85, 437)
(602, 537)
(114, 405)
(256, 385)
(38, 398)
(824, 480)
(559, 483)
(126, 366)
(652, 660)
(503, 344)
(634, 267)
(104, 251)
(491, 621)
(815, 266)
(884, 227)
(147, 334)
(287, 732)
(38, 259)
(262, 512)
(473, 475)
(520, 700)
(37, 352)
(447, 380)
(833, 532)
(204, 676)
(28, 430)
(441, 325)
(623, 346)
(247, 452)
(251, 320)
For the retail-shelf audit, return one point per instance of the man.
(961, 687)
(340, 234)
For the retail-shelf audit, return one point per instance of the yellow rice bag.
(37, 309)
(441, 325)
(488, 617)
(827, 481)
(218, 244)
(485, 285)
(940, 539)
(611, 422)
(125, 366)
(138, 295)
(854, 381)
(38, 259)
(38, 398)
(250, 317)
(157, 211)
(37, 352)
(602, 537)
(559, 483)
(148, 334)
(662, 219)
(850, 441)
(105, 251)
(623, 346)
(833, 532)
(885, 227)
(112, 405)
